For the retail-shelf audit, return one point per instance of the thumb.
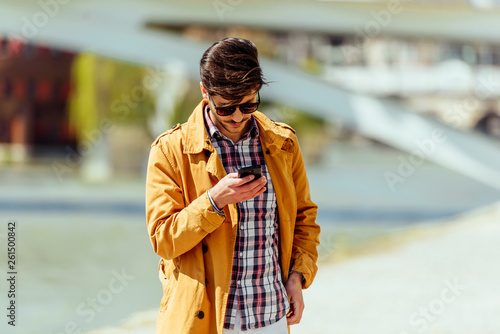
(232, 175)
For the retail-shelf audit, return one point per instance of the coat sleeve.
(306, 233)
(174, 227)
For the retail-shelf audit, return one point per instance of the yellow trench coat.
(195, 243)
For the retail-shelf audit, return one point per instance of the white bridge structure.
(117, 29)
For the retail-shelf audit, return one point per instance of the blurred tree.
(110, 104)
(108, 90)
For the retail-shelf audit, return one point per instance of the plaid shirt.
(256, 289)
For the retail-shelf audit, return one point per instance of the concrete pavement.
(444, 281)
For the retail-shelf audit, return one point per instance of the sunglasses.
(245, 108)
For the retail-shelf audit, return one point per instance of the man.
(235, 252)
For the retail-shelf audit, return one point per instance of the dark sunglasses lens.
(226, 111)
(248, 108)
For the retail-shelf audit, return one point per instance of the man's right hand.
(231, 189)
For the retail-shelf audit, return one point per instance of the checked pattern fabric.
(256, 291)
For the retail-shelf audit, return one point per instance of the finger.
(257, 185)
(244, 180)
(253, 191)
(260, 192)
(249, 195)
(248, 178)
(254, 186)
(292, 320)
(293, 317)
(263, 179)
(245, 196)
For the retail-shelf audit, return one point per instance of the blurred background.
(395, 103)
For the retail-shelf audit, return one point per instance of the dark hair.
(230, 68)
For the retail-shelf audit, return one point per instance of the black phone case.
(252, 170)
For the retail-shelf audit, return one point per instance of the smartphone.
(256, 171)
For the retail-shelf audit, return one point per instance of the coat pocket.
(168, 273)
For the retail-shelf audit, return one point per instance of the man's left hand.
(293, 288)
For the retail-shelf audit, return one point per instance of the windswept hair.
(230, 68)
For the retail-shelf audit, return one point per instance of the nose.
(237, 115)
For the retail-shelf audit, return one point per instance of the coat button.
(267, 152)
(204, 248)
(200, 315)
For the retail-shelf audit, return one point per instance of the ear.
(204, 92)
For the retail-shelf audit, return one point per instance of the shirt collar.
(214, 132)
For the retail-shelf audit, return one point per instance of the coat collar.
(197, 139)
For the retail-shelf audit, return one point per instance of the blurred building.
(452, 80)
(457, 82)
(34, 91)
